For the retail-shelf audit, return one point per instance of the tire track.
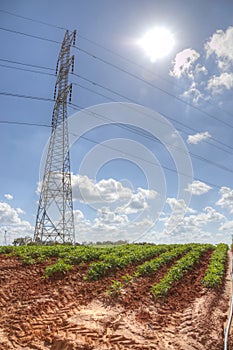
(70, 314)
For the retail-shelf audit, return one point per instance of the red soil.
(67, 313)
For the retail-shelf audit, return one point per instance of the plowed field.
(64, 312)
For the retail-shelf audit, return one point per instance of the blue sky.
(163, 171)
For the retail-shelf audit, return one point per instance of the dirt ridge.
(71, 314)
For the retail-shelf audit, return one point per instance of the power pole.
(55, 220)
(5, 232)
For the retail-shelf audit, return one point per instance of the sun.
(157, 43)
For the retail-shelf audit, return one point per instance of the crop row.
(113, 261)
(72, 254)
(149, 258)
(215, 271)
(177, 271)
(154, 265)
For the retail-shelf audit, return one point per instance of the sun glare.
(157, 43)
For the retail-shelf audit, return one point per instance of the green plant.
(177, 271)
(27, 260)
(115, 288)
(6, 250)
(215, 271)
(58, 267)
(121, 257)
(127, 278)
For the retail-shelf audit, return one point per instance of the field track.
(68, 313)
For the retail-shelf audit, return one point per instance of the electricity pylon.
(55, 219)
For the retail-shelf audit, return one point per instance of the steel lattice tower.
(55, 220)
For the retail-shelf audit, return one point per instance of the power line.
(145, 69)
(107, 50)
(33, 20)
(24, 123)
(133, 101)
(126, 72)
(106, 146)
(99, 116)
(152, 85)
(26, 64)
(30, 35)
(27, 70)
(129, 128)
(109, 98)
(3, 93)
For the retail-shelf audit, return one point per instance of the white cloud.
(201, 80)
(199, 226)
(221, 44)
(20, 211)
(194, 93)
(139, 201)
(178, 206)
(78, 215)
(219, 83)
(107, 192)
(199, 69)
(198, 222)
(201, 136)
(88, 191)
(12, 223)
(8, 215)
(197, 188)
(110, 225)
(112, 203)
(111, 218)
(210, 215)
(183, 63)
(226, 200)
(8, 196)
(227, 226)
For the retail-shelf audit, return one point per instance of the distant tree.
(22, 241)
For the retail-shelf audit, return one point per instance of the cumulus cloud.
(194, 226)
(227, 226)
(217, 84)
(11, 222)
(199, 79)
(110, 225)
(78, 215)
(184, 62)
(8, 196)
(111, 191)
(139, 201)
(178, 209)
(88, 191)
(210, 215)
(178, 206)
(193, 93)
(199, 69)
(221, 44)
(8, 215)
(108, 217)
(20, 211)
(197, 188)
(112, 203)
(197, 138)
(226, 200)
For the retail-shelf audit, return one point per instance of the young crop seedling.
(115, 288)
